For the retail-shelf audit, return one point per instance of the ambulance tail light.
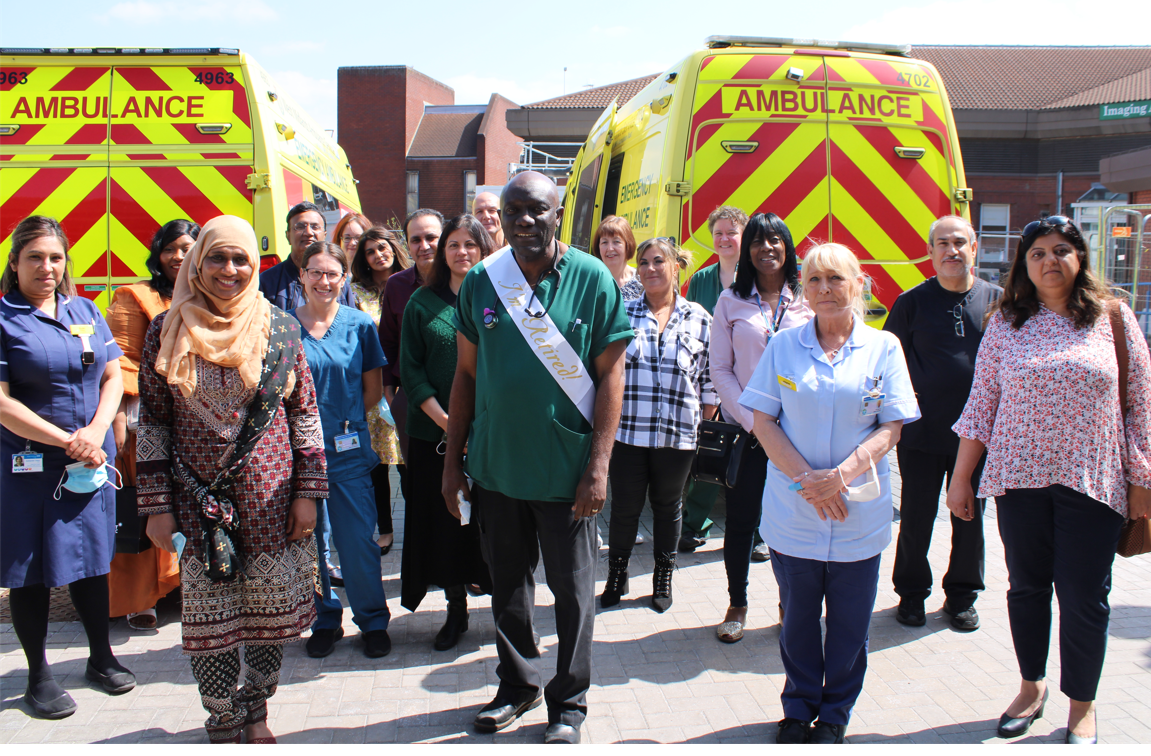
(268, 261)
(213, 128)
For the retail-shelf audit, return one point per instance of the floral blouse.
(1045, 402)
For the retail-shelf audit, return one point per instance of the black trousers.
(638, 473)
(744, 510)
(1061, 537)
(514, 533)
(923, 474)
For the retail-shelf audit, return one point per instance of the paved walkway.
(657, 678)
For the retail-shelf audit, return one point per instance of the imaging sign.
(1118, 110)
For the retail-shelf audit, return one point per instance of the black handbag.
(131, 528)
(719, 453)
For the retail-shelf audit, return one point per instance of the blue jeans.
(824, 678)
(351, 507)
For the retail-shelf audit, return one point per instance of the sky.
(521, 51)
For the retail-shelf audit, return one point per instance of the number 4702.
(213, 77)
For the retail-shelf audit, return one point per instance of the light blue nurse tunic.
(43, 540)
(819, 406)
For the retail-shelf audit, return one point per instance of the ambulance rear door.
(758, 141)
(892, 168)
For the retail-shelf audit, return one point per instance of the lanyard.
(780, 309)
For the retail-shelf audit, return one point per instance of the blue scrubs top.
(43, 540)
(819, 406)
(338, 362)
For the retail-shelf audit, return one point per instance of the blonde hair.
(836, 258)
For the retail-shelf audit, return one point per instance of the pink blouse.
(1045, 402)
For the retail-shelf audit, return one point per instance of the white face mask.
(870, 489)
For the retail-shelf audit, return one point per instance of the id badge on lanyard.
(347, 441)
(872, 401)
(85, 332)
(27, 461)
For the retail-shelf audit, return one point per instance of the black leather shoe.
(377, 644)
(117, 682)
(558, 732)
(911, 615)
(1013, 727)
(335, 576)
(58, 708)
(792, 731)
(689, 543)
(449, 635)
(965, 621)
(323, 642)
(499, 713)
(823, 733)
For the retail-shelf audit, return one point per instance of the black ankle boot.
(457, 622)
(661, 581)
(616, 581)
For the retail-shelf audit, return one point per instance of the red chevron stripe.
(237, 176)
(28, 197)
(79, 79)
(706, 62)
(883, 286)
(761, 67)
(239, 94)
(86, 214)
(933, 121)
(133, 216)
(798, 185)
(812, 238)
(26, 132)
(875, 203)
(711, 110)
(89, 133)
(126, 133)
(143, 80)
(913, 174)
(197, 206)
(737, 169)
(9, 86)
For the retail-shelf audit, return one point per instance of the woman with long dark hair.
(763, 299)
(379, 254)
(138, 581)
(438, 550)
(1066, 465)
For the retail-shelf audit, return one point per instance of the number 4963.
(214, 77)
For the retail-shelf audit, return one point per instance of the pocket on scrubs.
(570, 453)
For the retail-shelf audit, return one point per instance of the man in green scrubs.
(538, 467)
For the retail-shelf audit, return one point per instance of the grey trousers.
(513, 533)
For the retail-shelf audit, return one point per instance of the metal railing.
(533, 158)
(1125, 252)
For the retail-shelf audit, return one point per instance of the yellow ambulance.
(116, 142)
(850, 143)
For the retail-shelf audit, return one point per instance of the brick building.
(440, 155)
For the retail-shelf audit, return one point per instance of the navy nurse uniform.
(43, 540)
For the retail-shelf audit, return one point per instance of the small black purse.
(719, 453)
(131, 530)
(221, 551)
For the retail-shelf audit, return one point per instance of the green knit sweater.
(427, 359)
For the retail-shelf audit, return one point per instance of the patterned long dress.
(384, 441)
(271, 601)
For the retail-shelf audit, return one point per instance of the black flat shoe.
(500, 713)
(1013, 727)
(323, 642)
(792, 731)
(560, 733)
(823, 733)
(58, 708)
(912, 616)
(449, 635)
(377, 644)
(120, 681)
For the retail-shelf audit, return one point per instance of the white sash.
(542, 335)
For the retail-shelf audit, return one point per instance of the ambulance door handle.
(911, 153)
(741, 147)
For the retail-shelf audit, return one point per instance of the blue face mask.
(81, 479)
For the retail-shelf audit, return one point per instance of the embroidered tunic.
(1045, 402)
(271, 601)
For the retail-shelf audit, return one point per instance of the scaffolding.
(1125, 257)
(547, 158)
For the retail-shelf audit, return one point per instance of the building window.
(413, 191)
(994, 233)
(469, 190)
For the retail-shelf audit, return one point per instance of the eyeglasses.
(302, 226)
(957, 311)
(1050, 221)
(349, 239)
(315, 275)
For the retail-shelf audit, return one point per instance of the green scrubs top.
(704, 288)
(528, 440)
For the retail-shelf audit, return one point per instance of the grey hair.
(961, 219)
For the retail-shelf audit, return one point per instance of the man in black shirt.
(940, 324)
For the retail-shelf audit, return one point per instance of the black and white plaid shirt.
(666, 377)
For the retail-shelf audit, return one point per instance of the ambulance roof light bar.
(723, 40)
(119, 50)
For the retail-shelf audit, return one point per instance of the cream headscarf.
(236, 337)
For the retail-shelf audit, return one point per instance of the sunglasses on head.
(1049, 222)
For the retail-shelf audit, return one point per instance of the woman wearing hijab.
(230, 454)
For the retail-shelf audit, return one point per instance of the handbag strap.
(1119, 336)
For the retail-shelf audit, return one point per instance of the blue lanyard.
(780, 309)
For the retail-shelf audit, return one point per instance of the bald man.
(486, 208)
(542, 333)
